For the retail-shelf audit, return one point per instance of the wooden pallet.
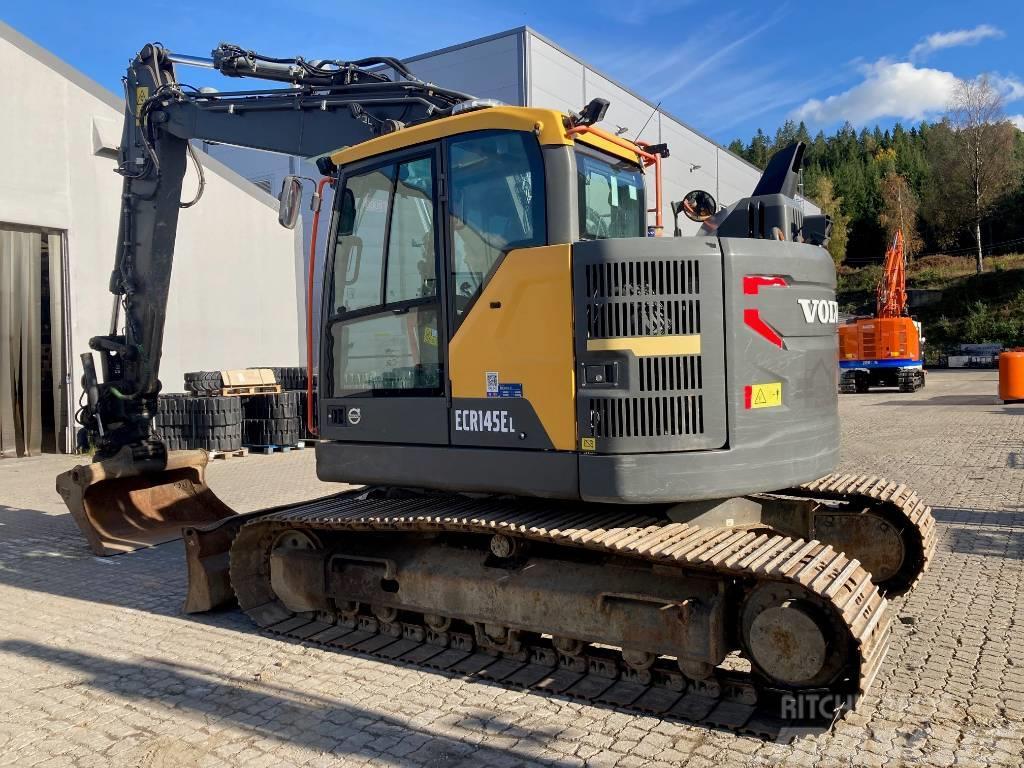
(252, 389)
(240, 453)
(266, 450)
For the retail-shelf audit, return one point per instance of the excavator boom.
(135, 494)
(891, 293)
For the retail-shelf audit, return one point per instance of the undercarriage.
(604, 603)
(858, 380)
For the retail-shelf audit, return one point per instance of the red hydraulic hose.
(310, 423)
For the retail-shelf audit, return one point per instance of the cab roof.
(547, 124)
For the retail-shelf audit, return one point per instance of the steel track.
(737, 701)
(894, 502)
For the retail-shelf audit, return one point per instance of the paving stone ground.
(98, 667)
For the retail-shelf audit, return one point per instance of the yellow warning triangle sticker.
(760, 399)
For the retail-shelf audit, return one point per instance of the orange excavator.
(886, 350)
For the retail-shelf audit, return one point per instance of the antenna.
(653, 113)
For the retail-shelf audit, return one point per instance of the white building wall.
(237, 273)
(490, 68)
(554, 80)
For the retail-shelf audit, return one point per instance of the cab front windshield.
(611, 197)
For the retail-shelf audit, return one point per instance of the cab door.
(383, 350)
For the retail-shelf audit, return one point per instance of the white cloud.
(638, 12)
(953, 39)
(889, 89)
(1010, 88)
(1017, 120)
(700, 66)
(896, 89)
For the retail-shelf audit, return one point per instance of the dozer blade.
(206, 559)
(122, 506)
(207, 549)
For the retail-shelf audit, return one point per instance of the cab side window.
(411, 271)
(384, 333)
(362, 229)
(496, 193)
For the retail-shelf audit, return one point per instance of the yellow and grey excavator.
(594, 460)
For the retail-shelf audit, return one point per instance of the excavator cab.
(497, 320)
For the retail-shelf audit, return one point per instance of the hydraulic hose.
(310, 422)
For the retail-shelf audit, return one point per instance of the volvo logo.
(820, 310)
(355, 415)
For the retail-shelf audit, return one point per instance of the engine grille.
(666, 397)
(665, 416)
(669, 374)
(610, 279)
(642, 298)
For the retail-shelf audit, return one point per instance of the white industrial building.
(237, 290)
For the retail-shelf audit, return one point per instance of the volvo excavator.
(591, 459)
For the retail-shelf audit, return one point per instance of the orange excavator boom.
(891, 293)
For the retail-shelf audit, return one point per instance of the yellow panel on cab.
(528, 339)
(546, 124)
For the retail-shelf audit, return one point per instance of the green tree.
(857, 163)
(757, 152)
(823, 193)
(983, 151)
(899, 212)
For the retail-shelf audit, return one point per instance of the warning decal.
(762, 395)
(141, 95)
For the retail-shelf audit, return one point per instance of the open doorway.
(34, 374)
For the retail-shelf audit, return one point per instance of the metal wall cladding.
(637, 291)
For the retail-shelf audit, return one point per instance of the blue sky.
(725, 68)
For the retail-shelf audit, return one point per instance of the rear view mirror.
(699, 205)
(288, 201)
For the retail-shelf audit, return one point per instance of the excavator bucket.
(122, 506)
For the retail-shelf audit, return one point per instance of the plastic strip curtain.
(20, 343)
(57, 342)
